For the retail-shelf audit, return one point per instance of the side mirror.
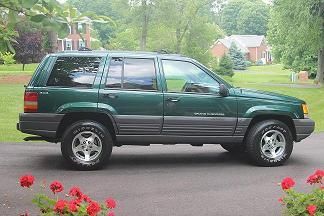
(223, 90)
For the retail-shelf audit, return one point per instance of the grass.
(17, 69)
(263, 74)
(11, 104)
(256, 77)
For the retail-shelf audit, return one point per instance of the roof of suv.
(116, 53)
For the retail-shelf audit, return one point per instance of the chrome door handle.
(174, 100)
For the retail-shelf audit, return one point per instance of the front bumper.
(41, 124)
(304, 128)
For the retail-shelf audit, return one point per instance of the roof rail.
(163, 51)
(84, 49)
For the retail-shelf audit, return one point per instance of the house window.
(81, 43)
(68, 44)
(263, 55)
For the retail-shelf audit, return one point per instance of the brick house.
(74, 41)
(254, 47)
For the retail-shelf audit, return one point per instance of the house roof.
(243, 42)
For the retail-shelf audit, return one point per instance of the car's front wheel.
(87, 145)
(269, 143)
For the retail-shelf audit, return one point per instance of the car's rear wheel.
(87, 145)
(234, 148)
(269, 143)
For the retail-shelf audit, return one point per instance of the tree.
(296, 32)
(112, 9)
(225, 66)
(58, 18)
(245, 17)
(29, 46)
(253, 19)
(201, 34)
(237, 57)
(55, 17)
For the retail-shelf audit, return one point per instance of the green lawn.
(11, 103)
(263, 74)
(17, 69)
(256, 77)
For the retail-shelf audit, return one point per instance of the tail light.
(30, 102)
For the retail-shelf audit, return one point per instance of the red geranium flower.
(110, 203)
(287, 183)
(60, 206)
(93, 208)
(111, 213)
(320, 173)
(26, 180)
(311, 209)
(313, 179)
(76, 192)
(316, 177)
(56, 187)
(73, 206)
(86, 198)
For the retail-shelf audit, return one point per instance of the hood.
(241, 92)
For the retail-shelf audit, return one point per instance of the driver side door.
(192, 104)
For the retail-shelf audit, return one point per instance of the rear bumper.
(304, 128)
(41, 124)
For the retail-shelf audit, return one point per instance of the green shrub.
(248, 63)
(7, 58)
(225, 67)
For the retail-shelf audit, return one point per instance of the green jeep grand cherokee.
(91, 101)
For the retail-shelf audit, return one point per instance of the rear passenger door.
(130, 90)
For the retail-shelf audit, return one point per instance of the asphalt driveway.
(161, 180)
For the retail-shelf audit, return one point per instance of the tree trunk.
(52, 37)
(320, 69)
(144, 25)
(179, 40)
(23, 66)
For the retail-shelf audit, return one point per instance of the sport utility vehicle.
(91, 101)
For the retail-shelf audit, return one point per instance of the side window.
(115, 73)
(132, 74)
(184, 76)
(74, 72)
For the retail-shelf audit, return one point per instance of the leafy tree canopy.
(295, 33)
(245, 17)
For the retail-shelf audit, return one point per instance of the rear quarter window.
(74, 72)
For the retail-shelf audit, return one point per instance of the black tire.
(103, 139)
(234, 148)
(255, 148)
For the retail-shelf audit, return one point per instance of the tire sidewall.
(263, 128)
(100, 131)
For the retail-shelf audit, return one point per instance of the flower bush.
(297, 203)
(75, 202)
